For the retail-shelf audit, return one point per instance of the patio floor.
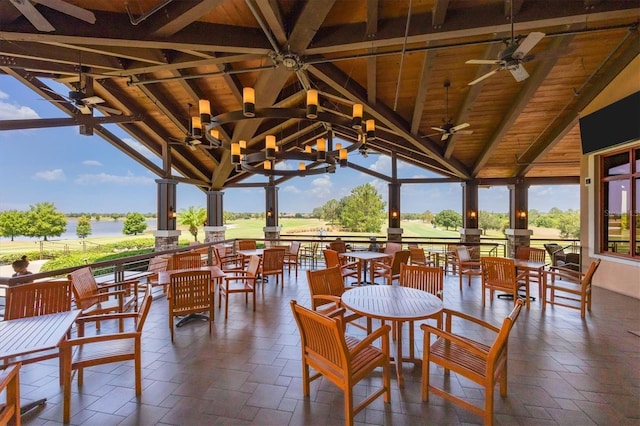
(562, 370)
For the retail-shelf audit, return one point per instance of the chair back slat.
(247, 245)
(463, 254)
(537, 254)
(190, 292)
(34, 299)
(499, 273)
(273, 259)
(188, 260)
(399, 257)
(85, 288)
(325, 282)
(429, 279)
(331, 258)
(338, 245)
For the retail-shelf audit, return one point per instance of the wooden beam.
(78, 120)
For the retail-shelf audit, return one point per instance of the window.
(620, 203)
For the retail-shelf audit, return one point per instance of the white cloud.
(91, 163)
(15, 112)
(290, 189)
(321, 188)
(104, 178)
(3, 95)
(50, 175)
(382, 165)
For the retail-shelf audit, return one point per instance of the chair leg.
(488, 405)
(305, 379)
(348, 406)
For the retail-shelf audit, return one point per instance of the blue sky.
(86, 174)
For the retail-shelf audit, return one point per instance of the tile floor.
(562, 370)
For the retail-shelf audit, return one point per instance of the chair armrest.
(99, 338)
(336, 313)
(133, 283)
(328, 297)
(240, 277)
(428, 329)
(105, 317)
(556, 272)
(367, 341)
(119, 293)
(470, 318)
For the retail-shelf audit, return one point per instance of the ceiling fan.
(448, 129)
(79, 99)
(511, 57)
(27, 8)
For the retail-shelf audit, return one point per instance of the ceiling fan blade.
(464, 132)
(487, 75)
(445, 136)
(519, 73)
(86, 110)
(69, 9)
(31, 13)
(439, 129)
(527, 44)
(109, 110)
(93, 100)
(460, 126)
(484, 61)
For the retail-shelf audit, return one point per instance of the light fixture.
(314, 155)
(172, 213)
(205, 111)
(196, 128)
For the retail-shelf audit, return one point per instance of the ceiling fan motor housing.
(76, 96)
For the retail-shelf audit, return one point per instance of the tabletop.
(365, 255)
(390, 302)
(529, 264)
(34, 334)
(254, 252)
(164, 277)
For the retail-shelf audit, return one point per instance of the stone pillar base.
(213, 234)
(516, 238)
(271, 233)
(394, 234)
(166, 240)
(470, 235)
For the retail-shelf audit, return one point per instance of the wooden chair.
(326, 287)
(564, 286)
(309, 254)
(247, 245)
(188, 260)
(273, 265)
(450, 258)
(419, 258)
(389, 271)
(190, 293)
(10, 385)
(338, 245)
(225, 261)
(88, 351)
(347, 269)
(425, 278)
(343, 360)
(95, 299)
(536, 255)
(150, 276)
(391, 248)
(34, 299)
(240, 281)
(561, 259)
(466, 265)
(499, 273)
(291, 256)
(479, 362)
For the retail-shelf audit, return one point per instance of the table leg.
(398, 361)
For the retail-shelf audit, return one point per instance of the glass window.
(621, 203)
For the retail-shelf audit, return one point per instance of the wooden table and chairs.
(347, 269)
(32, 335)
(396, 304)
(500, 274)
(364, 257)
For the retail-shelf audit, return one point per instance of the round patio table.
(396, 304)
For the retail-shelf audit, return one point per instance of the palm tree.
(193, 217)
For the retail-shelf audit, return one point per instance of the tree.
(427, 216)
(490, 220)
(449, 219)
(13, 223)
(134, 224)
(44, 221)
(331, 211)
(569, 224)
(193, 217)
(83, 229)
(115, 216)
(363, 210)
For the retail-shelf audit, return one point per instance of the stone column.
(394, 231)
(166, 234)
(518, 234)
(214, 229)
(272, 229)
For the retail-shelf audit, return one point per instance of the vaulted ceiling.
(150, 59)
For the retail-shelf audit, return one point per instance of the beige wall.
(615, 274)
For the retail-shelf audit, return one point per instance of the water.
(110, 228)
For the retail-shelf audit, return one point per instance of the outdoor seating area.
(247, 368)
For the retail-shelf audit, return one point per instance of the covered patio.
(562, 370)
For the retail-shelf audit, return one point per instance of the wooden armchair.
(571, 292)
(150, 276)
(291, 256)
(347, 269)
(240, 281)
(485, 364)
(88, 351)
(389, 270)
(10, 385)
(96, 299)
(310, 254)
(273, 264)
(326, 287)
(536, 255)
(425, 278)
(466, 265)
(561, 259)
(338, 245)
(34, 299)
(419, 258)
(499, 273)
(188, 260)
(223, 260)
(190, 293)
(344, 360)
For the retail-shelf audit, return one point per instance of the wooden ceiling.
(151, 59)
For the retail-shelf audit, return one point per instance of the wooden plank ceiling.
(154, 59)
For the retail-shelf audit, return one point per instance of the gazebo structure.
(490, 92)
